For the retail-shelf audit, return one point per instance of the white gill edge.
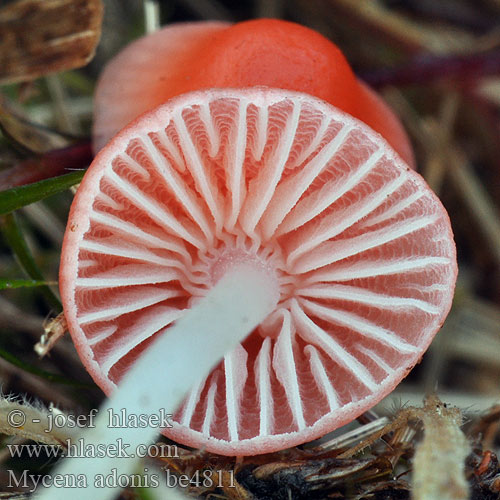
(334, 251)
(251, 298)
(359, 270)
(177, 186)
(263, 378)
(133, 301)
(86, 263)
(320, 376)
(293, 187)
(363, 296)
(312, 205)
(261, 139)
(131, 337)
(103, 334)
(190, 285)
(235, 168)
(197, 170)
(143, 237)
(285, 368)
(393, 210)
(167, 143)
(132, 253)
(334, 224)
(314, 334)
(191, 402)
(210, 410)
(110, 202)
(435, 287)
(154, 210)
(360, 325)
(262, 188)
(134, 165)
(213, 136)
(145, 277)
(235, 371)
(315, 142)
(375, 357)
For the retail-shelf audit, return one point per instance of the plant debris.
(39, 37)
(421, 452)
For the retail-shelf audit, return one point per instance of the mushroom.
(191, 56)
(237, 211)
(224, 209)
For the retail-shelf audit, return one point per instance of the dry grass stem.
(475, 196)
(348, 439)
(65, 119)
(414, 36)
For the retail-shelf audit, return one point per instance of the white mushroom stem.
(239, 301)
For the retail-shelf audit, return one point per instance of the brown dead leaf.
(38, 37)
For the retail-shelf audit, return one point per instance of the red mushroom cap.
(270, 52)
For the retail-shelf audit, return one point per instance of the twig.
(355, 436)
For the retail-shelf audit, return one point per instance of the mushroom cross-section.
(359, 248)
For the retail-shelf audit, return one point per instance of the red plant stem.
(50, 164)
(427, 68)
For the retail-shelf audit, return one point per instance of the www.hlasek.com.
(81, 449)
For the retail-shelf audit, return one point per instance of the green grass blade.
(12, 199)
(14, 237)
(7, 284)
(53, 377)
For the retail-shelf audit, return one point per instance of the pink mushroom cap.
(357, 244)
